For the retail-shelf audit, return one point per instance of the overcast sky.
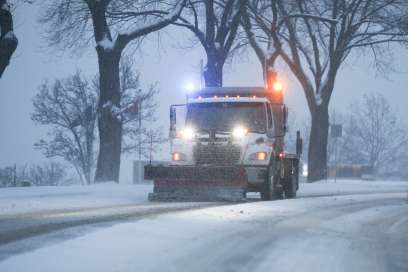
(172, 67)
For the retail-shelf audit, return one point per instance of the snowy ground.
(346, 187)
(36, 199)
(363, 226)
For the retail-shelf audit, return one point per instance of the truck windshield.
(224, 116)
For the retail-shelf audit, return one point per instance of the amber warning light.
(277, 86)
(272, 81)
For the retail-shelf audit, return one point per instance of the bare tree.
(260, 21)
(70, 107)
(8, 41)
(374, 135)
(138, 108)
(7, 176)
(113, 25)
(215, 24)
(315, 37)
(47, 174)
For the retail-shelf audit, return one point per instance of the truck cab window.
(224, 116)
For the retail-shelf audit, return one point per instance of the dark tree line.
(46, 174)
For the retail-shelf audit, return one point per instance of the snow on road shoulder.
(342, 187)
(46, 198)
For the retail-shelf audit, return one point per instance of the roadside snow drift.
(48, 198)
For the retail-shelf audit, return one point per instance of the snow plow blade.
(197, 183)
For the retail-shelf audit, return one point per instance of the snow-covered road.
(351, 231)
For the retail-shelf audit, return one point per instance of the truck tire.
(269, 191)
(290, 189)
(290, 180)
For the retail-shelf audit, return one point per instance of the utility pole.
(15, 175)
(151, 147)
(140, 137)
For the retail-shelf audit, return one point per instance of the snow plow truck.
(226, 142)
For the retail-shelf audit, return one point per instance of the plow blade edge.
(197, 183)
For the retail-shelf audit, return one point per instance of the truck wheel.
(290, 182)
(269, 192)
(265, 195)
(290, 191)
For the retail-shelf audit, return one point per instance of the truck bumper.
(197, 183)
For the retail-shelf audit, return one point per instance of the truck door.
(178, 114)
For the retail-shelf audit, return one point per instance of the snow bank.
(34, 199)
(45, 198)
(344, 187)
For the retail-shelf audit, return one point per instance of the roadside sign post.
(336, 131)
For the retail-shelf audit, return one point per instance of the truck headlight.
(178, 156)
(239, 132)
(258, 156)
(188, 133)
(261, 156)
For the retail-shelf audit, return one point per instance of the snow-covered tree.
(113, 25)
(314, 38)
(8, 41)
(69, 106)
(374, 135)
(215, 25)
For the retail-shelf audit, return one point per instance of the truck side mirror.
(299, 144)
(285, 114)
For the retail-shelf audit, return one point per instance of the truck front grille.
(217, 154)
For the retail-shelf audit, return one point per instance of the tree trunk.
(317, 156)
(213, 71)
(8, 42)
(109, 124)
